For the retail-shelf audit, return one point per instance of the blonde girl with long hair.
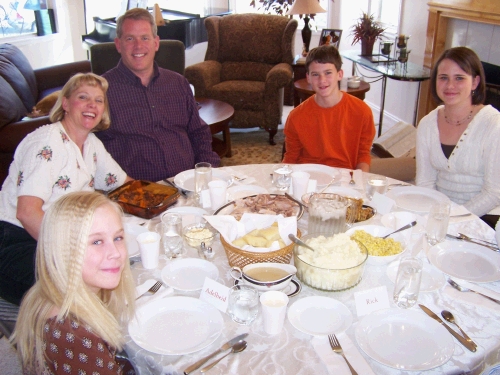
(72, 318)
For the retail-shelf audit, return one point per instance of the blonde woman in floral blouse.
(70, 321)
(50, 162)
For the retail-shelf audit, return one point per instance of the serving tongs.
(468, 239)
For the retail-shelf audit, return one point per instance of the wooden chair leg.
(272, 133)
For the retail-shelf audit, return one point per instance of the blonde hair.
(74, 83)
(59, 283)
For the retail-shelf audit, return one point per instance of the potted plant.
(366, 31)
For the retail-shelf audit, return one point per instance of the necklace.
(459, 122)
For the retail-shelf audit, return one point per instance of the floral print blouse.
(48, 164)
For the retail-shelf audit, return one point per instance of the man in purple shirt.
(156, 131)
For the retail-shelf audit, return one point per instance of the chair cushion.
(11, 107)
(240, 94)
(245, 70)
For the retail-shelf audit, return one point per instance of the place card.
(215, 294)
(371, 300)
(382, 204)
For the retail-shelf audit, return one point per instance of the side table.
(217, 115)
(304, 90)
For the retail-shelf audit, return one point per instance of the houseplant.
(366, 31)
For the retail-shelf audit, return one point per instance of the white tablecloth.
(291, 352)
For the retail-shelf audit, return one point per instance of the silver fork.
(152, 290)
(239, 178)
(335, 344)
(464, 289)
(464, 236)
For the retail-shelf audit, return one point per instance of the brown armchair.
(247, 64)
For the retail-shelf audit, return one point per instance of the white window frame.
(392, 23)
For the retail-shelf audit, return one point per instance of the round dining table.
(295, 352)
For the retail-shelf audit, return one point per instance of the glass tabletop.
(394, 70)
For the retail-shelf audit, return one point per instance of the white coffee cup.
(217, 189)
(300, 181)
(274, 304)
(149, 246)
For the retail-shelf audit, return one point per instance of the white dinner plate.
(185, 180)
(188, 274)
(323, 174)
(404, 339)
(416, 199)
(390, 221)
(176, 325)
(344, 191)
(131, 233)
(242, 191)
(466, 261)
(432, 278)
(319, 315)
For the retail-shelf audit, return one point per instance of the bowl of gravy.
(265, 276)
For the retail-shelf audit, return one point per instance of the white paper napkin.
(460, 210)
(144, 287)
(334, 362)
(473, 298)
(243, 179)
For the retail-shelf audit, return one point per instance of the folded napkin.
(147, 298)
(473, 298)
(457, 209)
(334, 362)
(243, 179)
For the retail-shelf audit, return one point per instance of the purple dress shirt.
(156, 131)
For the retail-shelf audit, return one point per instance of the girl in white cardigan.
(458, 151)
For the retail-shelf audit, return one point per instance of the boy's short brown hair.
(324, 55)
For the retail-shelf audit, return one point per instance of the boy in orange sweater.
(331, 127)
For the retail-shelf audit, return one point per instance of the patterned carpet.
(254, 148)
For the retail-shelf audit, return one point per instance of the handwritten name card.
(215, 294)
(371, 300)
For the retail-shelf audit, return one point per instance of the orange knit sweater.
(339, 136)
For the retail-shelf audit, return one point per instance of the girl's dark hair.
(469, 62)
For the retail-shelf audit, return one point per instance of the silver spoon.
(352, 182)
(238, 347)
(299, 242)
(407, 226)
(327, 186)
(448, 316)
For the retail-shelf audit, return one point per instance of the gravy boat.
(277, 284)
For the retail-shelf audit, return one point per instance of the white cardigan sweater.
(471, 176)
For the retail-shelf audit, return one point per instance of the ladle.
(238, 347)
(448, 316)
(299, 242)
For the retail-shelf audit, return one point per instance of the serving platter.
(238, 206)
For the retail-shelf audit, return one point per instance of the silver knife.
(471, 241)
(223, 348)
(468, 344)
(182, 191)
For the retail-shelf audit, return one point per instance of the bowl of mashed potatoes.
(337, 263)
(380, 251)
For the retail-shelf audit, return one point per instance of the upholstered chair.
(247, 64)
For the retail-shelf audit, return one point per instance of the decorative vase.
(367, 47)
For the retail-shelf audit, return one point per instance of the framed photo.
(330, 37)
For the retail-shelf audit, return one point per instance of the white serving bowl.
(380, 231)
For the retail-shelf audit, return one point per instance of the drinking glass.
(202, 176)
(243, 304)
(171, 234)
(282, 176)
(375, 184)
(437, 222)
(407, 284)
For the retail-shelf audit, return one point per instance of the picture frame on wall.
(330, 37)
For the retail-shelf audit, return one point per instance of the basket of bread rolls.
(259, 238)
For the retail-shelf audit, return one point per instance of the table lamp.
(306, 7)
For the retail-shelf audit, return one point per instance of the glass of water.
(282, 176)
(407, 284)
(243, 304)
(375, 184)
(171, 234)
(437, 222)
(202, 176)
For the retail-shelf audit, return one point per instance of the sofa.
(22, 88)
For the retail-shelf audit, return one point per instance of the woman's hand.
(30, 214)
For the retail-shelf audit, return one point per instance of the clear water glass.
(407, 284)
(171, 234)
(437, 222)
(282, 176)
(375, 184)
(202, 176)
(243, 304)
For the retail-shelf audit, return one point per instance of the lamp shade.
(306, 7)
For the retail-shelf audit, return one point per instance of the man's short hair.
(136, 14)
(324, 55)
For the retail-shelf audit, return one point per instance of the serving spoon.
(299, 242)
(448, 316)
(238, 347)
(407, 226)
